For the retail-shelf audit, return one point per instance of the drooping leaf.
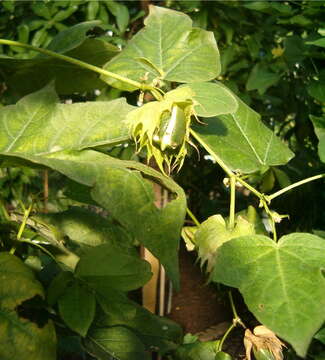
(124, 188)
(39, 125)
(282, 283)
(118, 343)
(157, 333)
(21, 337)
(106, 267)
(210, 99)
(242, 141)
(24, 76)
(77, 307)
(319, 125)
(185, 54)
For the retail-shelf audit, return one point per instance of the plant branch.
(287, 188)
(78, 63)
(22, 226)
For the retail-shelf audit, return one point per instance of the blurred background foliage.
(272, 54)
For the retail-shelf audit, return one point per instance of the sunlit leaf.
(185, 54)
(282, 283)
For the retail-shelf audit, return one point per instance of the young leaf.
(282, 283)
(185, 54)
(77, 307)
(21, 337)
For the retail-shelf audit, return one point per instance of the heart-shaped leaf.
(282, 283)
(176, 51)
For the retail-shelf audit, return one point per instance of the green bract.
(162, 127)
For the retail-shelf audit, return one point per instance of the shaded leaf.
(124, 188)
(24, 76)
(86, 228)
(242, 141)
(185, 54)
(21, 338)
(106, 267)
(261, 79)
(157, 333)
(319, 42)
(281, 283)
(316, 89)
(115, 342)
(319, 125)
(77, 307)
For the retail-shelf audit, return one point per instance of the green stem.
(301, 182)
(236, 319)
(78, 63)
(250, 188)
(191, 215)
(22, 227)
(232, 202)
(232, 326)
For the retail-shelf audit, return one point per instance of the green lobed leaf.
(39, 125)
(210, 99)
(319, 125)
(157, 333)
(24, 76)
(282, 283)
(106, 267)
(184, 55)
(77, 307)
(242, 141)
(118, 343)
(21, 338)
